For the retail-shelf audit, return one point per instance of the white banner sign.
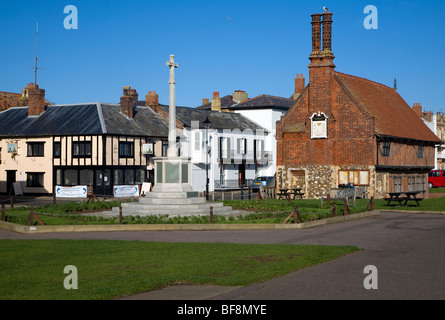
(126, 191)
(71, 192)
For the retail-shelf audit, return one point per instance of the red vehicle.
(436, 178)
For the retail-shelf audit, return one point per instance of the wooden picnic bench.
(287, 192)
(403, 197)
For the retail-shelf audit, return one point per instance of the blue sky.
(260, 51)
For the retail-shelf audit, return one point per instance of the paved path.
(407, 249)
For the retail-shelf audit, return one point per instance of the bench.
(398, 197)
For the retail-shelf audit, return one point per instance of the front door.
(242, 174)
(103, 183)
(10, 179)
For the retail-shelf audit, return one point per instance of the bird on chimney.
(325, 9)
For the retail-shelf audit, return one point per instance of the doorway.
(10, 179)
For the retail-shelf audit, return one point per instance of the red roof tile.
(393, 116)
(8, 100)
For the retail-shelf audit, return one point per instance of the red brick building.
(345, 129)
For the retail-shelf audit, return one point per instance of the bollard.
(211, 214)
(31, 217)
(371, 204)
(345, 207)
(120, 214)
(12, 201)
(333, 210)
(3, 212)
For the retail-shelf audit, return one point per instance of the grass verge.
(34, 269)
(256, 211)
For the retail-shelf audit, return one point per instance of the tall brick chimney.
(321, 68)
(316, 34)
(417, 108)
(327, 35)
(127, 102)
(36, 100)
(216, 102)
(299, 84)
(152, 101)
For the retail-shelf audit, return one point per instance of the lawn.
(437, 190)
(34, 269)
(255, 211)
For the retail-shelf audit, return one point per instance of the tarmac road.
(408, 250)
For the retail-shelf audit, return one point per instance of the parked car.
(261, 181)
(436, 178)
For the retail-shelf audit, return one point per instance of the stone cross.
(172, 151)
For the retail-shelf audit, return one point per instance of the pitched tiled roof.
(393, 116)
(218, 119)
(8, 100)
(82, 119)
(264, 101)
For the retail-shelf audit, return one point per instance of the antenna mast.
(35, 68)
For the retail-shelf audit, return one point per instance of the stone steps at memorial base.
(172, 212)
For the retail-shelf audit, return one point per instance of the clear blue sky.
(261, 50)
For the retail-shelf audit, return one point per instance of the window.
(118, 177)
(129, 176)
(140, 176)
(420, 150)
(224, 149)
(57, 149)
(258, 151)
(197, 142)
(59, 177)
(71, 177)
(386, 150)
(397, 184)
(34, 179)
(164, 148)
(82, 149)
(35, 149)
(200, 140)
(126, 149)
(241, 145)
(86, 177)
(355, 177)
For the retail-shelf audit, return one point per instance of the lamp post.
(207, 123)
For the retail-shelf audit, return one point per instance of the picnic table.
(403, 197)
(287, 192)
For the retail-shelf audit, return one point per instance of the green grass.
(34, 269)
(436, 190)
(258, 211)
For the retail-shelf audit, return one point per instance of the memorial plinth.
(172, 174)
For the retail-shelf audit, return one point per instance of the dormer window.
(319, 128)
